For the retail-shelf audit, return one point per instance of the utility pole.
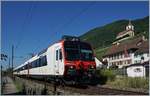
(9, 63)
(12, 58)
(8, 71)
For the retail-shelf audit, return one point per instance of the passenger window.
(60, 54)
(44, 61)
(39, 62)
(56, 54)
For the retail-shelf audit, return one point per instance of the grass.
(109, 78)
(18, 85)
(130, 83)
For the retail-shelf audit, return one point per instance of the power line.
(77, 16)
(12, 59)
(26, 21)
(70, 21)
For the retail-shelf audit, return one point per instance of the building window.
(126, 62)
(137, 70)
(135, 56)
(109, 58)
(120, 56)
(120, 62)
(117, 56)
(142, 58)
(129, 61)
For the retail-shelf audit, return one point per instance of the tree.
(4, 57)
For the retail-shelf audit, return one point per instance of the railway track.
(94, 90)
(85, 90)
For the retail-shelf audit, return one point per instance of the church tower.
(129, 27)
(126, 34)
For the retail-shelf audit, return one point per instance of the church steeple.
(129, 26)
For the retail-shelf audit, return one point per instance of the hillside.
(105, 35)
(102, 37)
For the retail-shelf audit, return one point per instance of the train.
(68, 60)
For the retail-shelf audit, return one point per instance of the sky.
(33, 26)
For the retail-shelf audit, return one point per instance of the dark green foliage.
(100, 52)
(106, 75)
(104, 36)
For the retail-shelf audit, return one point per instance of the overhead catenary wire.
(76, 16)
(69, 22)
(26, 22)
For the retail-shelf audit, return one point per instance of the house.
(138, 70)
(142, 54)
(127, 49)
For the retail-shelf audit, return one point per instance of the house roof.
(126, 45)
(143, 48)
(139, 64)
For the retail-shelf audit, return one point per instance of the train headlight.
(71, 67)
(92, 66)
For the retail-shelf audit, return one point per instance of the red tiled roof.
(131, 44)
(144, 47)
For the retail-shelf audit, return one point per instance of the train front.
(79, 61)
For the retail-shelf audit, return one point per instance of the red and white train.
(69, 59)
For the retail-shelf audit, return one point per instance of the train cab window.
(56, 55)
(60, 54)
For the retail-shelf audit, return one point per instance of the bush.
(106, 75)
(110, 74)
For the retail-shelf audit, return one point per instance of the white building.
(127, 49)
(138, 70)
(142, 54)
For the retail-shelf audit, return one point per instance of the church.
(127, 48)
(128, 33)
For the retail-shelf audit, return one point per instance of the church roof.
(121, 33)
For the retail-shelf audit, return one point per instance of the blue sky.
(33, 26)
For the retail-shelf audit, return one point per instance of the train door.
(58, 60)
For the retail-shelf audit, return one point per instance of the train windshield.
(75, 50)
